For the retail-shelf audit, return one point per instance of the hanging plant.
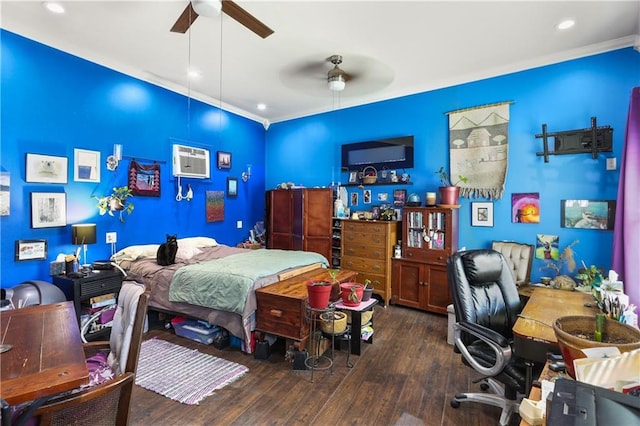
(116, 201)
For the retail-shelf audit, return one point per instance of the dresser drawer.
(378, 281)
(377, 240)
(364, 265)
(370, 252)
(435, 256)
(283, 316)
(368, 227)
(89, 288)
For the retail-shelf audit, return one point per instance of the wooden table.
(533, 334)
(281, 306)
(47, 356)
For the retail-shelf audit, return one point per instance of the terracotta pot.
(614, 333)
(116, 204)
(449, 195)
(318, 292)
(346, 292)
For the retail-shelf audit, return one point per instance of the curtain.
(626, 234)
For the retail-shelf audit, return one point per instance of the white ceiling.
(395, 48)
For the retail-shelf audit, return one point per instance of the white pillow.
(187, 252)
(136, 252)
(197, 242)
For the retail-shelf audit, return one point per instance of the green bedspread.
(225, 283)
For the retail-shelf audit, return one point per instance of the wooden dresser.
(282, 306)
(367, 247)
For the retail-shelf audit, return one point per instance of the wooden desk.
(281, 306)
(47, 356)
(533, 334)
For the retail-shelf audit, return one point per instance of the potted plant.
(449, 191)
(368, 290)
(116, 201)
(351, 293)
(589, 276)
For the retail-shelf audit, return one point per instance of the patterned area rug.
(182, 374)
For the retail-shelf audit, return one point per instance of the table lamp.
(83, 234)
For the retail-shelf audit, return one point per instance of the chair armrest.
(485, 333)
(498, 343)
(92, 348)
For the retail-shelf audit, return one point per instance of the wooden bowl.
(568, 330)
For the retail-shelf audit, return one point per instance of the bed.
(213, 282)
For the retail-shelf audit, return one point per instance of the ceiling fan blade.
(245, 18)
(185, 20)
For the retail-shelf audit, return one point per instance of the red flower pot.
(319, 292)
(351, 297)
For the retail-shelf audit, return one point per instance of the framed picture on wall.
(588, 214)
(86, 165)
(30, 250)
(224, 160)
(232, 187)
(48, 209)
(399, 197)
(46, 169)
(353, 177)
(482, 214)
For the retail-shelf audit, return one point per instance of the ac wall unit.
(190, 162)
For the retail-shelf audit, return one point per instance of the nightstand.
(95, 283)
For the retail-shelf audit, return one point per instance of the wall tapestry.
(144, 180)
(214, 206)
(479, 148)
(525, 207)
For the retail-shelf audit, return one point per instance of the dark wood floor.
(406, 377)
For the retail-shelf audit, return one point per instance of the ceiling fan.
(212, 8)
(336, 77)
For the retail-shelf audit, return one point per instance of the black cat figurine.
(167, 251)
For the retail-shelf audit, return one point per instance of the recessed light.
(566, 24)
(262, 107)
(53, 7)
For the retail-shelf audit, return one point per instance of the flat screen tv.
(392, 153)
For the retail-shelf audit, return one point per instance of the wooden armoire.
(300, 219)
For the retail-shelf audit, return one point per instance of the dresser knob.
(376, 267)
(276, 313)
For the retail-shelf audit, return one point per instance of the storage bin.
(198, 331)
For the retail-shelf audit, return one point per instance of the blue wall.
(564, 96)
(53, 102)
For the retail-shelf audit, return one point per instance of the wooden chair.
(107, 403)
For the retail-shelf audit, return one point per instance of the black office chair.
(486, 302)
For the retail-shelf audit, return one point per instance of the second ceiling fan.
(228, 7)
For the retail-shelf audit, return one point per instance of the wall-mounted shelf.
(378, 184)
(577, 141)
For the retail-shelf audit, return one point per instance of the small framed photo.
(366, 196)
(383, 196)
(353, 177)
(482, 214)
(375, 212)
(30, 250)
(86, 166)
(224, 160)
(354, 198)
(588, 214)
(48, 209)
(232, 187)
(46, 169)
(399, 197)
